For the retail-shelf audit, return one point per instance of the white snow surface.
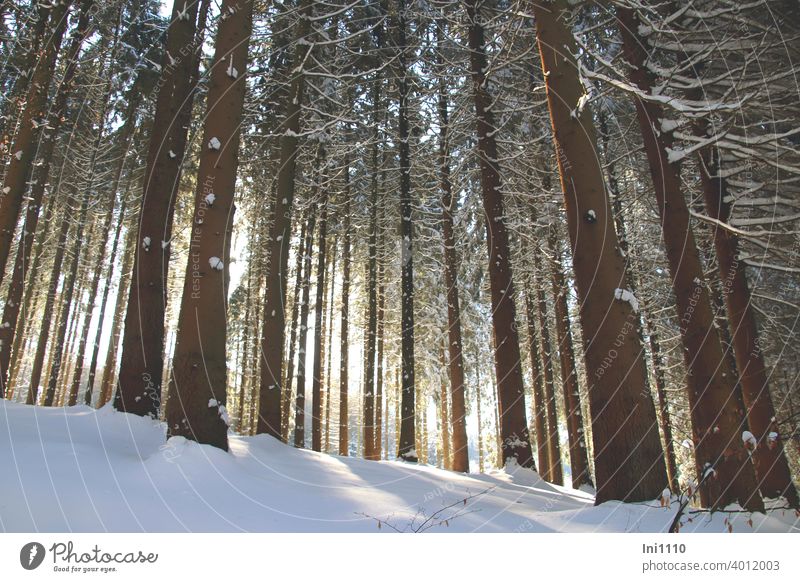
(81, 470)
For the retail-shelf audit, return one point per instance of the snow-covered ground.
(79, 469)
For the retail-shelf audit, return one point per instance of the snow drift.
(79, 470)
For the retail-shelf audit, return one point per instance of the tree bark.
(24, 147)
(316, 380)
(19, 274)
(553, 442)
(717, 420)
(197, 391)
(460, 450)
(300, 398)
(344, 345)
(516, 444)
(273, 328)
(286, 405)
(408, 449)
(537, 392)
(140, 375)
(579, 463)
(772, 469)
(629, 462)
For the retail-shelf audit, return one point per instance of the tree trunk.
(19, 274)
(516, 444)
(107, 382)
(772, 469)
(300, 398)
(316, 380)
(140, 375)
(23, 149)
(629, 462)
(273, 328)
(408, 451)
(197, 393)
(68, 287)
(579, 463)
(460, 450)
(286, 404)
(344, 345)
(537, 392)
(717, 421)
(329, 349)
(553, 441)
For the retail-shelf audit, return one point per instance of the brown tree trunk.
(274, 324)
(379, 396)
(629, 462)
(19, 274)
(316, 380)
(444, 406)
(286, 405)
(460, 450)
(107, 382)
(553, 441)
(772, 469)
(142, 363)
(372, 291)
(331, 279)
(197, 392)
(507, 359)
(68, 287)
(344, 345)
(300, 398)
(579, 463)
(23, 149)
(717, 421)
(87, 313)
(537, 392)
(408, 449)
(104, 301)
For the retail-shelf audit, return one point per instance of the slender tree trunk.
(717, 421)
(197, 394)
(408, 451)
(537, 392)
(478, 412)
(140, 375)
(344, 345)
(273, 333)
(68, 287)
(24, 147)
(629, 461)
(316, 380)
(19, 274)
(545, 348)
(107, 382)
(579, 463)
(286, 405)
(379, 395)
(663, 408)
(87, 314)
(329, 350)
(300, 399)
(507, 359)
(372, 291)
(104, 302)
(444, 405)
(460, 451)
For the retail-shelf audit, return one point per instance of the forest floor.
(81, 470)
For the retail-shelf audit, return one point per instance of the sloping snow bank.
(79, 470)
